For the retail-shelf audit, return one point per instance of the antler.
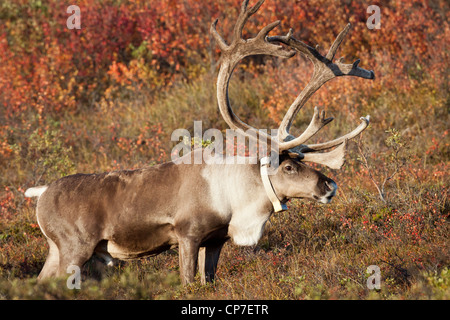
(324, 70)
(238, 50)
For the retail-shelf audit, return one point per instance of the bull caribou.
(135, 213)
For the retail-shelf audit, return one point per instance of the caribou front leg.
(207, 261)
(188, 255)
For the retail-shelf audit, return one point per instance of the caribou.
(198, 207)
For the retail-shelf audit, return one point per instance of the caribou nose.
(331, 188)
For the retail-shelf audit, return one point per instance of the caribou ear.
(333, 159)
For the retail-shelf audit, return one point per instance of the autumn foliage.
(109, 95)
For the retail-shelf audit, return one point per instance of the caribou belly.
(117, 251)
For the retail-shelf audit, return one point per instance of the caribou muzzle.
(330, 191)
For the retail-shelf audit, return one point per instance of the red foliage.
(47, 68)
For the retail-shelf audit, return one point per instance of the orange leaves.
(120, 73)
(39, 56)
(145, 143)
(147, 46)
(8, 203)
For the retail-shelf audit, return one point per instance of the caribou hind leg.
(51, 265)
(74, 253)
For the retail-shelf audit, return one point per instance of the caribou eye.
(288, 168)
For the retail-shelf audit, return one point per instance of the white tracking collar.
(277, 205)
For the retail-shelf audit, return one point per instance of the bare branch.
(366, 165)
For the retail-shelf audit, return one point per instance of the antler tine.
(243, 17)
(332, 52)
(265, 31)
(318, 121)
(330, 144)
(219, 40)
(333, 159)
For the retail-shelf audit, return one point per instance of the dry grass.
(311, 251)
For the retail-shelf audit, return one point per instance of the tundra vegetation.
(109, 95)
